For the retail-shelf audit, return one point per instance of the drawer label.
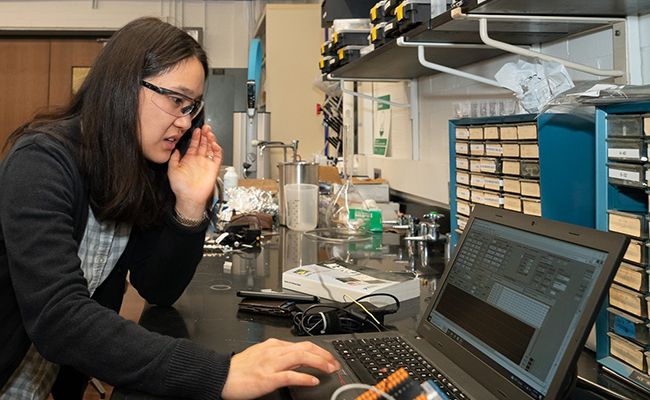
(494, 182)
(624, 175)
(624, 153)
(462, 133)
(477, 148)
(493, 149)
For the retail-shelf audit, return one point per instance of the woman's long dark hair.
(121, 184)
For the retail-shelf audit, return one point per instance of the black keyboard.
(374, 359)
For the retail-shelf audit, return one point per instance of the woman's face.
(161, 121)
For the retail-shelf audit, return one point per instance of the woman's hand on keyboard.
(270, 365)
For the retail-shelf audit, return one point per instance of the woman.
(97, 189)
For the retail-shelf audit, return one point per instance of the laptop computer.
(510, 315)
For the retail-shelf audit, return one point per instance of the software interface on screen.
(514, 299)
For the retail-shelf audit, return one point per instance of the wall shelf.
(392, 61)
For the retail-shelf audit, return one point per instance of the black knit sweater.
(44, 296)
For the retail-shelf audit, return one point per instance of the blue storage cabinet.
(634, 200)
(566, 165)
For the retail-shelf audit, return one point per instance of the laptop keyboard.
(374, 359)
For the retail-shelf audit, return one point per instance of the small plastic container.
(512, 202)
(477, 148)
(348, 54)
(511, 167)
(463, 178)
(632, 276)
(628, 326)
(462, 163)
(624, 174)
(530, 188)
(301, 206)
(350, 23)
(490, 165)
(326, 64)
(462, 221)
(390, 5)
(347, 37)
(626, 351)
(478, 196)
(493, 182)
(493, 149)
(475, 132)
(508, 132)
(462, 147)
(638, 252)
(377, 12)
(230, 180)
(327, 48)
(491, 132)
(510, 149)
(493, 199)
(463, 207)
(475, 164)
(477, 180)
(627, 300)
(628, 223)
(377, 34)
(462, 132)
(530, 168)
(529, 150)
(511, 185)
(391, 29)
(531, 206)
(411, 13)
(630, 150)
(625, 125)
(463, 192)
(527, 132)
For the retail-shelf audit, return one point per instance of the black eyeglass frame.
(187, 110)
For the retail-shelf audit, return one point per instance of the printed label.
(624, 175)
(493, 149)
(462, 133)
(624, 153)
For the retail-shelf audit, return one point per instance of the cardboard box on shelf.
(370, 189)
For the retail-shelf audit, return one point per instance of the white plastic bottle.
(230, 180)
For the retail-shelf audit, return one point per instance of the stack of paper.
(334, 280)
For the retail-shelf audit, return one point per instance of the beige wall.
(292, 50)
(225, 24)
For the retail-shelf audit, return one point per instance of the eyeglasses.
(174, 103)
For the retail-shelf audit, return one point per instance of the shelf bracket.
(441, 68)
(485, 37)
(366, 96)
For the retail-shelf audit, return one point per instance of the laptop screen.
(514, 299)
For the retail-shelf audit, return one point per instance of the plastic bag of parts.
(534, 84)
(486, 108)
(599, 93)
(243, 200)
(584, 97)
(330, 88)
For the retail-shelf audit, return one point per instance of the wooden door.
(24, 79)
(69, 58)
(37, 73)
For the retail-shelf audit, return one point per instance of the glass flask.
(347, 212)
